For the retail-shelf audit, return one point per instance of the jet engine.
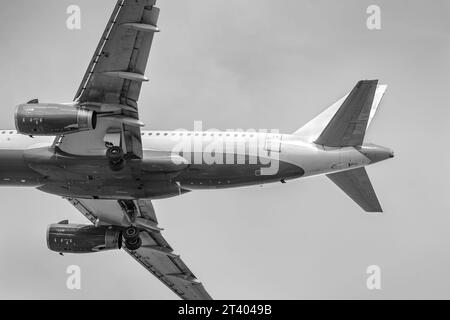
(53, 119)
(74, 238)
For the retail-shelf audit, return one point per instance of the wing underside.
(117, 69)
(155, 254)
(112, 83)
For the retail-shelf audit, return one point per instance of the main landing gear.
(132, 239)
(116, 158)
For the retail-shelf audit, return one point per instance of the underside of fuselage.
(14, 171)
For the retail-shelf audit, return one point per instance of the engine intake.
(53, 119)
(74, 238)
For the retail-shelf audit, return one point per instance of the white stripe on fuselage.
(11, 140)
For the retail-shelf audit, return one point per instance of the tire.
(117, 165)
(130, 234)
(133, 244)
(114, 154)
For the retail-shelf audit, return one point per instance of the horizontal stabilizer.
(356, 184)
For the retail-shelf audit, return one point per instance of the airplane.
(93, 153)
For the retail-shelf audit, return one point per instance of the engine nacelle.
(74, 238)
(53, 119)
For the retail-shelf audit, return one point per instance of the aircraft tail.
(344, 124)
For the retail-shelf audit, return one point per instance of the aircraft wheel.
(133, 244)
(117, 165)
(114, 154)
(116, 158)
(130, 234)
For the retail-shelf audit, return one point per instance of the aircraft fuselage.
(173, 163)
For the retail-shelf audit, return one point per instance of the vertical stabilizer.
(345, 122)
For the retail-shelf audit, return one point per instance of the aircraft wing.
(112, 83)
(117, 70)
(155, 254)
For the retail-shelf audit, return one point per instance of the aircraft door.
(273, 142)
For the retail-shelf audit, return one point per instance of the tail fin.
(345, 122)
(356, 184)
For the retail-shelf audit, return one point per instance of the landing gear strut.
(116, 158)
(132, 239)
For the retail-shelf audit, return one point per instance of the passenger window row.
(190, 134)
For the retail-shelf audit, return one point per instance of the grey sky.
(253, 64)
